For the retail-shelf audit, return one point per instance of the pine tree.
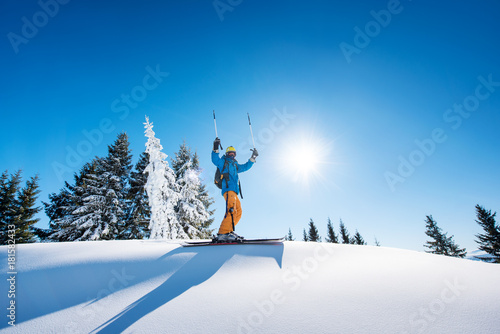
(358, 239)
(41, 234)
(289, 237)
(17, 207)
(313, 232)
(181, 158)
(440, 243)
(192, 214)
(9, 187)
(304, 237)
(97, 217)
(139, 211)
(184, 163)
(114, 175)
(489, 241)
(26, 211)
(452, 249)
(331, 237)
(62, 204)
(92, 210)
(96, 208)
(433, 231)
(344, 234)
(205, 198)
(162, 190)
(377, 243)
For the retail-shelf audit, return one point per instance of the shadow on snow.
(201, 267)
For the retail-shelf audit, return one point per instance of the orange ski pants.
(233, 212)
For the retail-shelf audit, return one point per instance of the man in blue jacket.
(229, 169)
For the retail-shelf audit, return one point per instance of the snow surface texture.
(159, 287)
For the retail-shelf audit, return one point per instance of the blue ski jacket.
(233, 167)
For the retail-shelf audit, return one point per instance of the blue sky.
(84, 69)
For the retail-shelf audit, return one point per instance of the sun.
(304, 159)
(308, 158)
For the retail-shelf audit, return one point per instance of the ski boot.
(228, 237)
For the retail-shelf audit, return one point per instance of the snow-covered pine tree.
(313, 232)
(440, 243)
(330, 233)
(115, 173)
(358, 239)
(289, 237)
(26, 211)
(102, 214)
(61, 206)
(344, 234)
(54, 209)
(9, 186)
(191, 212)
(139, 210)
(489, 241)
(162, 191)
(183, 156)
(97, 217)
(64, 203)
(304, 236)
(204, 197)
(185, 161)
(93, 209)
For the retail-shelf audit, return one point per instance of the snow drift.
(158, 287)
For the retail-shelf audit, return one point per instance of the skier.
(229, 169)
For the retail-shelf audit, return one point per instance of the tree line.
(488, 241)
(107, 200)
(439, 243)
(343, 237)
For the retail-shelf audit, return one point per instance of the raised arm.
(246, 166)
(249, 163)
(216, 160)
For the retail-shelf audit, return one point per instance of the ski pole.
(215, 123)
(216, 136)
(251, 132)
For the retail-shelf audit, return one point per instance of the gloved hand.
(255, 154)
(216, 144)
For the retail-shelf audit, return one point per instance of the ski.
(273, 241)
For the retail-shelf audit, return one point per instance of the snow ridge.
(148, 286)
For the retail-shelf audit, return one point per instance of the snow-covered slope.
(158, 287)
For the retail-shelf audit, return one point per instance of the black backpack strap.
(225, 165)
(225, 175)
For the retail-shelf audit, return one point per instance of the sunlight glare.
(304, 158)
